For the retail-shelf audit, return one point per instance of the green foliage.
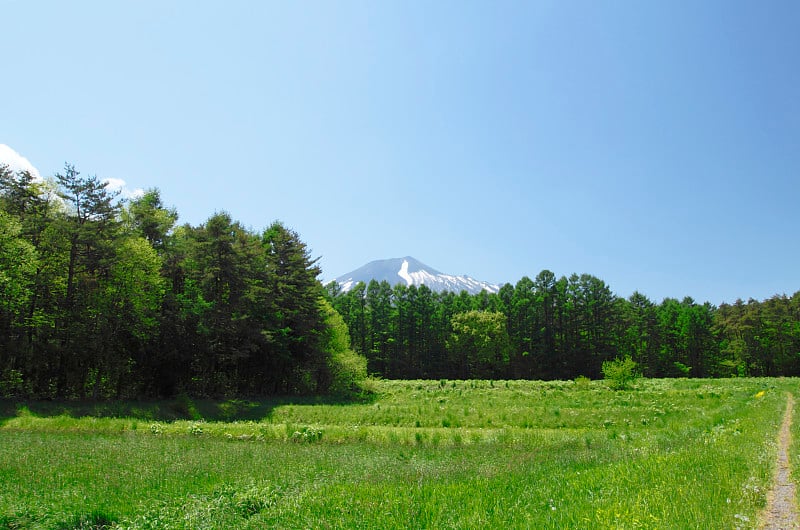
(18, 263)
(306, 435)
(479, 343)
(196, 429)
(106, 298)
(346, 369)
(103, 299)
(185, 407)
(620, 373)
(135, 288)
(12, 384)
(148, 217)
(682, 369)
(95, 520)
(562, 327)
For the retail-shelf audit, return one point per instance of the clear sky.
(655, 145)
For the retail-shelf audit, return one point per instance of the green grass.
(418, 454)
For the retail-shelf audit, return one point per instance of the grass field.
(417, 454)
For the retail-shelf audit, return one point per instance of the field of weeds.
(684, 453)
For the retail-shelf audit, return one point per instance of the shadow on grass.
(180, 408)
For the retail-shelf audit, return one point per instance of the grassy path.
(781, 511)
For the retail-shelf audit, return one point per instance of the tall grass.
(422, 454)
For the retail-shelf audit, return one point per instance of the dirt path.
(781, 511)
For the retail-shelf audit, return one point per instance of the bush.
(196, 429)
(620, 372)
(345, 369)
(306, 434)
(348, 369)
(185, 407)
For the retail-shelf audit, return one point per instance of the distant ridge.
(410, 271)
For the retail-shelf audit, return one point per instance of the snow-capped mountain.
(410, 271)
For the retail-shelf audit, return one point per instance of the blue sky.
(655, 145)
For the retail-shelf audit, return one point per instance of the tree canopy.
(561, 328)
(109, 298)
(103, 297)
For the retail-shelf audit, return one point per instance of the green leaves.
(149, 217)
(345, 369)
(620, 373)
(100, 299)
(18, 263)
(135, 288)
(479, 343)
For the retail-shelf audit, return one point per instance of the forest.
(562, 328)
(107, 298)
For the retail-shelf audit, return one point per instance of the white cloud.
(17, 162)
(115, 184)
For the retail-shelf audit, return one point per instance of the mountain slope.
(410, 271)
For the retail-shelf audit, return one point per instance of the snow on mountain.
(410, 271)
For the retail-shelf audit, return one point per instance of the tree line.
(562, 328)
(101, 297)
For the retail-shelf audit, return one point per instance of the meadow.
(680, 453)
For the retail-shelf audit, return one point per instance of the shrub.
(682, 369)
(185, 407)
(196, 429)
(306, 434)
(348, 370)
(345, 369)
(620, 372)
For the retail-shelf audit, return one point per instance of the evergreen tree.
(148, 217)
(90, 226)
(297, 321)
(379, 304)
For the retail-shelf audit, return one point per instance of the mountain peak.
(410, 271)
